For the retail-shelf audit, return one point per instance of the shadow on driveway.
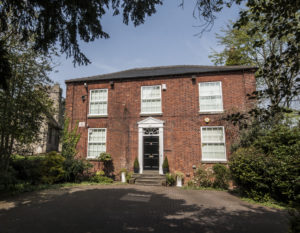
(129, 209)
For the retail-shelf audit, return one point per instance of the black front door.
(151, 152)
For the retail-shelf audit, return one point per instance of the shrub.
(221, 174)
(52, 168)
(136, 165)
(100, 177)
(76, 169)
(165, 165)
(179, 174)
(269, 168)
(105, 157)
(28, 168)
(69, 140)
(170, 179)
(202, 178)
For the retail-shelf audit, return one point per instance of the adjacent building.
(157, 112)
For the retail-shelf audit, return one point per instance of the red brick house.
(151, 113)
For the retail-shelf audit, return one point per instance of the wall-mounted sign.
(81, 124)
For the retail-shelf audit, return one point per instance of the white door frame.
(151, 122)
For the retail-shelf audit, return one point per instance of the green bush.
(165, 165)
(100, 177)
(28, 168)
(202, 178)
(170, 179)
(105, 157)
(52, 168)
(136, 165)
(221, 174)
(76, 169)
(271, 167)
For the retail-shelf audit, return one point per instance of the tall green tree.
(25, 103)
(279, 87)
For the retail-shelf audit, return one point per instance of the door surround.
(150, 122)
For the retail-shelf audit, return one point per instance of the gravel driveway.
(131, 208)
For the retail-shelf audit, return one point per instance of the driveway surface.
(131, 208)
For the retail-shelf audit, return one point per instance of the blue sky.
(166, 38)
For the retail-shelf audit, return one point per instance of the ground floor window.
(213, 143)
(96, 142)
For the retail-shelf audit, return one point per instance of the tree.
(25, 103)
(241, 49)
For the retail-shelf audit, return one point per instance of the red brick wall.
(180, 107)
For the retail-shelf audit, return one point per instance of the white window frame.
(106, 89)
(89, 130)
(149, 113)
(203, 142)
(213, 110)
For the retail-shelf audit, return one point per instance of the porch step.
(149, 178)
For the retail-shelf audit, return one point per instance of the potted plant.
(179, 178)
(136, 166)
(123, 175)
(165, 165)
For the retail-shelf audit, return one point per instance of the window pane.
(212, 134)
(97, 142)
(210, 96)
(151, 101)
(98, 102)
(213, 151)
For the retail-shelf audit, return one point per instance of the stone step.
(148, 182)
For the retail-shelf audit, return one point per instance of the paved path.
(128, 208)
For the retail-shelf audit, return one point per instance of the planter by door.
(179, 181)
(123, 177)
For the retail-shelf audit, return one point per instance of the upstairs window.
(210, 97)
(213, 143)
(96, 142)
(98, 102)
(151, 99)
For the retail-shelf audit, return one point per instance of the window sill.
(211, 113)
(97, 116)
(214, 161)
(151, 114)
(93, 159)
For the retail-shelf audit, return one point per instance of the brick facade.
(180, 113)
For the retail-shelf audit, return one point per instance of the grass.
(270, 204)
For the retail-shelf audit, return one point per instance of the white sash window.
(96, 142)
(210, 97)
(213, 143)
(98, 102)
(151, 99)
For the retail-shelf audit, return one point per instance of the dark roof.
(162, 71)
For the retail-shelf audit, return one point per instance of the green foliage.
(24, 104)
(270, 168)
(165, 165)
(62, 22)
(53, 170)
(76, 169)
(100, 177)
(170, 179)
(136, 165)
(128, 176)
(28, 168)
(105, 157)
(179, 174)
(202, 178)
(70, 138)
(222, 176)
